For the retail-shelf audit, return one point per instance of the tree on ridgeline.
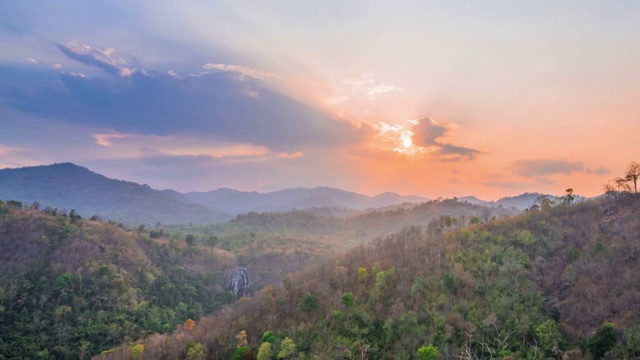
(621, 185)
(632, 175)
(569, 197)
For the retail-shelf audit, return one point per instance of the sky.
(433, 98)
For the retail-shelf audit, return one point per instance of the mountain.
(236, 202)
(521, 202)
(68, 186)
(557, 283)
(475, 200)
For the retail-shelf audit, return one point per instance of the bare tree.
(633, 173)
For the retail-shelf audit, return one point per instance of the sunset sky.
(431, 98)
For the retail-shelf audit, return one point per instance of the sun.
(407, 142)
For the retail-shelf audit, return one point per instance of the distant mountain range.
(521, 202)
(68, 186)
(236, 202)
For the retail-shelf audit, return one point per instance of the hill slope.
(68, 186)
(532, 286)
(71, 288)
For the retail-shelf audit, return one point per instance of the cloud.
(536, 168)
(367, 87)
(453, 153)
(599, 171)
(428, 134)
(105, 139)
(31, 60)
(381, 89)
(541, 168)
(101, 59)
(90, 59)
(216, 106)
(427, 131)
(293, 155)
(242, 71)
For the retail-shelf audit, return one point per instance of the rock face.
(239, 282)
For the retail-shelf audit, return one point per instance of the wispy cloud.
(599, 171)
(240, 70)
(97, 58)
(549, 167)
(381, 89)
(536, 168)
(367, 86)
(105, 139)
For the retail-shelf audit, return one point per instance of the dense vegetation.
(75, 287)
(343, 232)
(560, 282)
(71, 288)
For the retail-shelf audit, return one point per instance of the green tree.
(241, 352)
(427, 352)
(309, 303)
(287, 349)
(265, 352)
(269, 337)
(362, 274)
(196, 352)
(602, 341)
(347, 300)
(548, 336)
(136, 351)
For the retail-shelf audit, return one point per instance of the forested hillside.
(346, 231)
(75, 286)
(72, 287)
(562, 282)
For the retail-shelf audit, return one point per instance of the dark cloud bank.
(217, 105)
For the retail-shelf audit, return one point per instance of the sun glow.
(397, 138)
(407, 142)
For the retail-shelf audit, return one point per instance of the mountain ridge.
(73, 187)
(70, 186)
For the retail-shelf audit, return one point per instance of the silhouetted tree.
(569, 196)
(632, 175)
